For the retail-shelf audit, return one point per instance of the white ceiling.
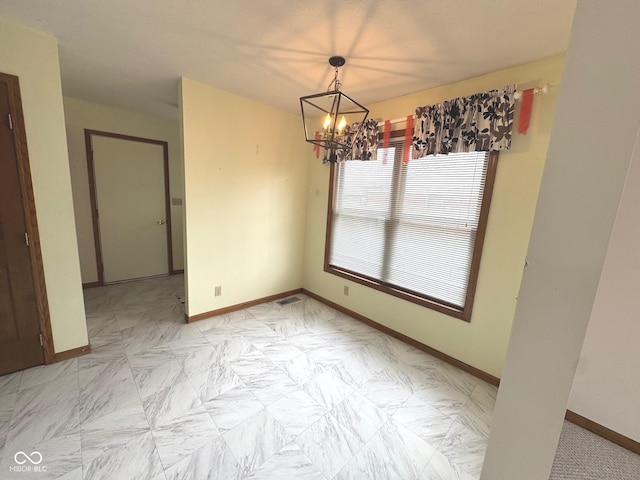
(131, 53)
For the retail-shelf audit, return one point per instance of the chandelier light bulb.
(327, 122)
(342, 124)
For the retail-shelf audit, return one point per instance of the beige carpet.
(582, 455)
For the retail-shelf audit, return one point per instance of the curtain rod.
(543, 89)
(395, 120)
(517, 96)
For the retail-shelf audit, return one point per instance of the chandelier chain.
(335, 83)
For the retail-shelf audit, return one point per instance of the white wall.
(481, 343)
(245, 183)
(80, 114)
(592, 143)
(606, 388)
(33, 57)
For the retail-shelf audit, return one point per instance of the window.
(413, 230)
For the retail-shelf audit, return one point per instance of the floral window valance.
(363, 144)
(481, 122)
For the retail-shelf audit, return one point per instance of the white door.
(130, 197)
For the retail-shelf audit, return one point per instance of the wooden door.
(131, 205)
(21, 345)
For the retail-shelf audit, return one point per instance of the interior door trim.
(29, 208)
(88, 133)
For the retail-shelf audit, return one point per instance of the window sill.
(450, 310)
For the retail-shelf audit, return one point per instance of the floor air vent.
(287, 301)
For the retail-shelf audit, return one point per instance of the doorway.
(25, 328)
(129, 189)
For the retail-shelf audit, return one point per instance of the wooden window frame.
(462, 313)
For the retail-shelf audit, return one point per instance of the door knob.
(160, 222)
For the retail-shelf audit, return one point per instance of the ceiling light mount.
(328, 116)
(337, 61)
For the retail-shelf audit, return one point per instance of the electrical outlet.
(218, 291)
(345, 290)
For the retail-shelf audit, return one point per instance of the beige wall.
(33, 57)
(245, 183)
(482, 342)
(80, 114)
(606, 388)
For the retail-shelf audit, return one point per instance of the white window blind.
(411, 226)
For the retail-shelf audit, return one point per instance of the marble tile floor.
(270, 392)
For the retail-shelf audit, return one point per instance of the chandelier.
(331, 119)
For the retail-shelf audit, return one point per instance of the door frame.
(29, 210)
(88, 133)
